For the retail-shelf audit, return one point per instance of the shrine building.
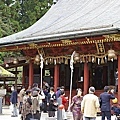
(91, 28)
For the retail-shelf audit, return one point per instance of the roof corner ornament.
(55, 1)
(32, 45)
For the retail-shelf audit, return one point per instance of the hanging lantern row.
(110, 56)
(14, 61)
(82, 59)
(92, 58)
(52, 60)
(56, 60)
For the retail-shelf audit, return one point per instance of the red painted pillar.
(23, 76)
(56, 77)
(86, 78)
(119, 78)
(30, 73)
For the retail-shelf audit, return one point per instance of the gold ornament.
(46, 62)
(90, 59)
(76, 57)
(115, 58)
(62, 60)
(37, 58)
(83, 59)
(15, 61)
(95, 60)
(75, 62)
(66, 61)
(57, 60)
(80, 59)
(52, 60)
(111, 53)
(102, 61)
(37, 63)
(109, 59)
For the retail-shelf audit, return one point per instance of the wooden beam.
(16, 65)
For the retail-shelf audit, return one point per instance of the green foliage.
(16, 15)
(1, 57)
(19, 75)
(9, 17)
(8, 54)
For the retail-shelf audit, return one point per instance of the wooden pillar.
(16, 78)
(23, 76)
(86, 78)
(56, 77)
(119, 79)
(30, 73)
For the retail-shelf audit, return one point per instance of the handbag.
(11, 107)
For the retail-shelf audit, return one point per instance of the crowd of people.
(88, 105)
(35, 100)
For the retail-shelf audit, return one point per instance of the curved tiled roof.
(70, 18)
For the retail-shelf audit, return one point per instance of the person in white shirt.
(90, 105)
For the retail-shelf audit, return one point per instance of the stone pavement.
(6, 115)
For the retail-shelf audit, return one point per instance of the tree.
(9, 16)
(8, 54)
(16, 15)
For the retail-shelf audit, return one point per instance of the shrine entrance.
(103, 75)
(100, 77)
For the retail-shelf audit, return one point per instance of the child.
(64, 101)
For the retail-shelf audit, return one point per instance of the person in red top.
(64, 101)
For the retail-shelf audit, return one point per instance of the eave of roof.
(69, 35)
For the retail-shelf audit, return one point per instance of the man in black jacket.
(13, 101)
(105, 102)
